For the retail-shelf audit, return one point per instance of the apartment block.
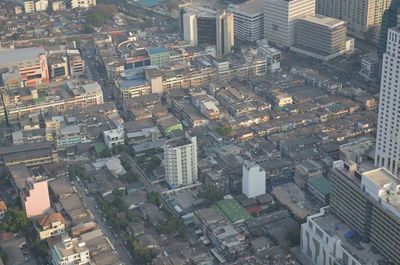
(70, 251)
(180, 159)
(50, 226)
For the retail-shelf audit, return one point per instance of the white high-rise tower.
(253, 180)
(387, 153)
(281, 16)
(180, 158)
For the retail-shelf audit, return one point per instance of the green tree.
(224, 130)
(15, 221)
(40, 248)
(99, 14)
(211, 194)
(88, 29)
(3, 256)
(140, 254)
(154, 198)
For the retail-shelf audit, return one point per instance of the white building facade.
(114, 137)
(70, 251)
(387, 153)
(280, 19)
(180, 161)
(253, 180)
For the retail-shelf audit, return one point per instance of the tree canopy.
(15, 221)
(224, 130)
(211, 194)
(98, 15)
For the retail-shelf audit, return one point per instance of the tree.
(15, 220)
(154, 198)
(3, 255)
(40, 248)
(211, 194)
(88, 29)
(99, 14)
(140, 254)
(224, 130)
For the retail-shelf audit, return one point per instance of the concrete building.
(35, 196)
(189, 28)
(225, 33)
(248, 20)
(114, 137)
(273, 56)
(159, 56)
(70, 251)
(368, 202)
(180, 160)
(41, 5)
(281, 17)
(31, 63)
(29, 6)
(364, 17)
(80, 3)
(323, 243)
(3, 209)
(320, 37)
(75, 63)
(387, 153)
(50, 225)
(58, 66)
(253, 180)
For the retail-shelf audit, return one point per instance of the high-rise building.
(387, 153)
(225, 33)
(80, 3)
(363, 16)
(253, 180)
(35, 196)
(202, 26)
(390, 19)
(281, 17)
(321, 37)
(249, 20)
(180, 159)
(369, 203)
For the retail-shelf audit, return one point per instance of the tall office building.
(249, 20)
(390, 19)
(202, 26)
(253, 180)
(225, 33)
(281, 17)
(80, 3)
(387, 153)
(321, 37)
(363, 16)
(180, 161)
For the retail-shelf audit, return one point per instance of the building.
(272, 55)
(31, 63)
(198, 25)
(225, 33)
(363, 17)
(75, 63)
(369, 68)
(41, 5)
(180, 160)
(248, 20)
(70, 251)
(389, 20)
(159, 56)
(387, 153)
(29, 6)
(114, 137)
(50, 226)
(368, 202)
(320, 37)
(58, 66)
(80, 3)
(3, 209)
(35, 196)
(281, 17)
(253, 180)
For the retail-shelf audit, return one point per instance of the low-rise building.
(50, 226)
(70, 251)
(3, 209)
(114, 137)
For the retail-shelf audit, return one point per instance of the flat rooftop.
(251, 7)
(200, 11)
(8, 56)
(324, 21)
(232, 210)
(335, 227)
(381, 176)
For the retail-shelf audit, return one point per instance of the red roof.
(254, 209)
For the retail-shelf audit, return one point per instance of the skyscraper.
(281, 17)
(387, 153)
(253, 180)
(180, 159)
(363, 16)
(225, 33)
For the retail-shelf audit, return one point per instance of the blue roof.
(149, 3)
(131, 83)
(156, 50)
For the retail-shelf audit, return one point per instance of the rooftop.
(252, 7)
(156, 50)
(381, 177)
(232, 210)
(322, 184)
(14, 55)
(324, 21)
